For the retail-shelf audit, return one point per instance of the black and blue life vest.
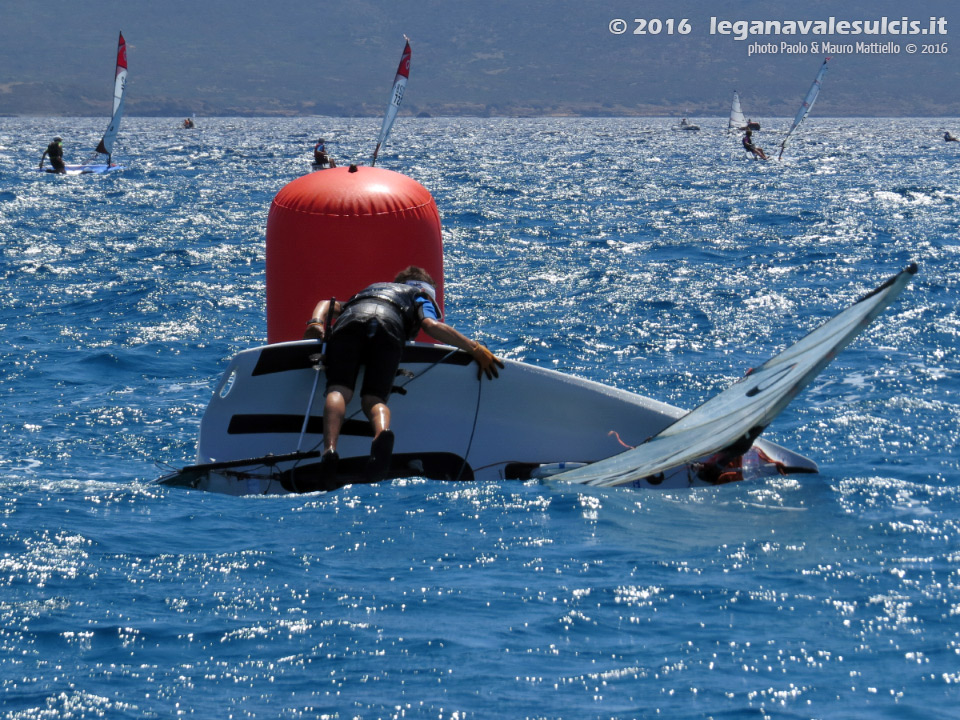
(386, 302)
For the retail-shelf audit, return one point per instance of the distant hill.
(497, 57)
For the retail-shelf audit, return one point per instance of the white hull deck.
(448, 425)
(93, 169)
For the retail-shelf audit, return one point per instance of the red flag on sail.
(404, 68)
(121, 55)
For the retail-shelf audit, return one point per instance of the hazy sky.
(499, 56)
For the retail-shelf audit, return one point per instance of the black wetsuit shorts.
(370, 341)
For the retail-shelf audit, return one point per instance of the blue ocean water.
(618, 250)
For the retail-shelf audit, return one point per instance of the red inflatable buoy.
(333, 232)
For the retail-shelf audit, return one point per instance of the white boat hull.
(448, 425)
(97, 169)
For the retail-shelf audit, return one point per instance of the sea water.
(618, 250)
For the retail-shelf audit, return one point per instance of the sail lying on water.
(396, 97)
(728, 423)
(119, 86)
(806, 106)
(737, 120)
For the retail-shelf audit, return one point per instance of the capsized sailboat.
(262, 431)
(396, 97)
(101, 160)
(259, 434)
(806, 106)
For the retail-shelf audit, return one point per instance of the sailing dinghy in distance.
(396, 97)
(96, 164)
(806, 106)
(719, 431)
(737, 120)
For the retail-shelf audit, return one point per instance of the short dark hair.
(413, 272)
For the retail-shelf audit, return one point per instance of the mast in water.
(807, 105)
(396, 96)
(119, 85)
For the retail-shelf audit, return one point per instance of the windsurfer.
(55, 152)
(950, 138)
(320, 156)
(371, 331)
(188, 124)
(755, 149)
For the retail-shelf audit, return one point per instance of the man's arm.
(487, 361)
(316, 326)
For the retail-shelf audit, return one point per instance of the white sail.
(119, 86)
(728, 423)
(806, 106)
(737, 120)
(396, 97)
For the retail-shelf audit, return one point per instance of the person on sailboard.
(320, 157)
(755, 149)
(54, 151)
(372, 328)
(950, 138)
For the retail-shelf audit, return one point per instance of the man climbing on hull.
(370, 332)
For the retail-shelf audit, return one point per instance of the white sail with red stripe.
(119, 86)
(396, 97)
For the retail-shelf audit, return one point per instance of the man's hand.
(487, 362)
(314, 331)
